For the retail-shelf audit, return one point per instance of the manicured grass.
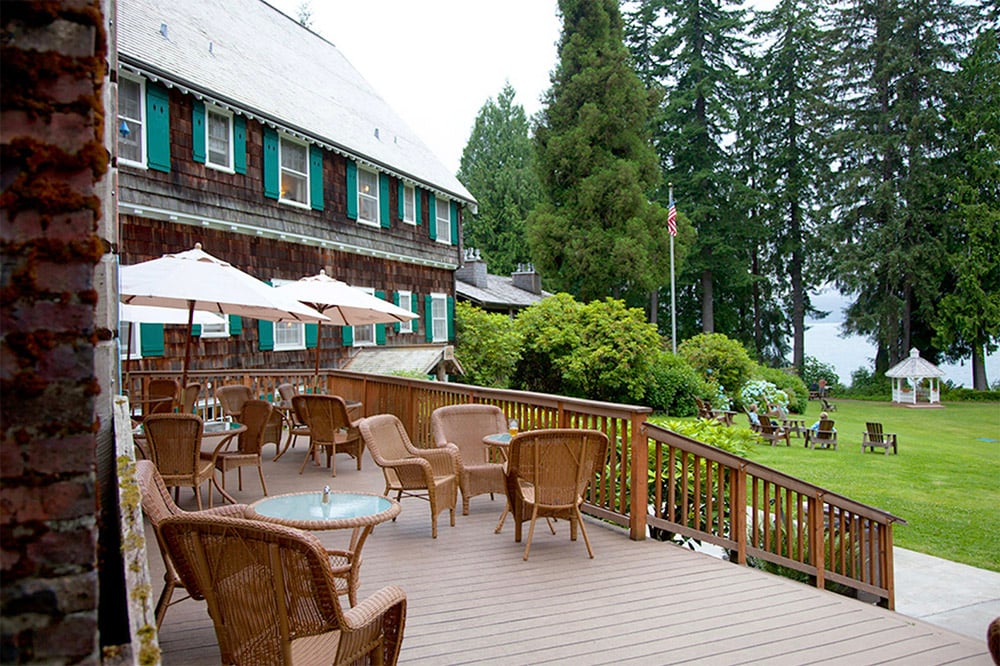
(945, 482)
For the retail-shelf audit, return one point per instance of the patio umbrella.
(150, 314)
(195, 280)
(342, 304)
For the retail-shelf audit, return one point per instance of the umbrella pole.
(319, 339)
(187, 344)
(128, 363)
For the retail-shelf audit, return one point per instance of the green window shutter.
(454, 223)
(240, 144)
(265, 333)
(432, 216)
(416, 204)
(380, 328)
(395, 301)
(428, 325)
(157, 128)
(312, 335)
(383, 200)
(400, 200)
(271, 171)
(415, 306)
(198, 131)
(347, 335)
(451, 319)
(235, 325)
(195, 330)
(151, 339)
(315, 177)
(352, 190)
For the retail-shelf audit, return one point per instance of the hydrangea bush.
(762, 393)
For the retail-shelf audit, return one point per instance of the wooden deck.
(472, 599)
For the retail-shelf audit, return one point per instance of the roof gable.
(248, 54)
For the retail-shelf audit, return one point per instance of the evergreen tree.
(895, 57)
(498, 169)
(596, 232)
(967, 319)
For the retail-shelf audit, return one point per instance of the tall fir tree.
(498, 169)
(596, 233)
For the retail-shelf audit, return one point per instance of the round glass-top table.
(308, 511)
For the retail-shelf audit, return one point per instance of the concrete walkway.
(954, 596)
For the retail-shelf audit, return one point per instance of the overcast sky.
(436, 62)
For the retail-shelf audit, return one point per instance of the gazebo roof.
(914, 367)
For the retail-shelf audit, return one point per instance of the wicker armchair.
(273, 599)
(465, 426)
(231, 399)
(296, 421)
(256, 415)
(189, 398)
(547, 475)
(431, 474)
(161, 396)
(173, 442)
(158, 506)
(329, 428)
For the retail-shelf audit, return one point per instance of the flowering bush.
(721, 400)
(763, 393)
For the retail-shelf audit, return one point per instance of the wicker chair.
(874, 438)
(431, 474)
(297, 424)
(547, 475)
(329, 428)
(824, 437)
(161, 396)
(465, 426)
(273, 599)
(189, 398)
(158, 505)
(173, 443)
(771, 431)
(231, 399)
(256, 415)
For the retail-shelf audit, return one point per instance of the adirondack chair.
(824, 437)
(771, 431)
(873, 438)
(828, 406)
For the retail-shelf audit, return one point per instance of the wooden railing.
(654, 480)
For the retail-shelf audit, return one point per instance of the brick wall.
(54, 162)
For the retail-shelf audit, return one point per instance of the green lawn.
(945, 482)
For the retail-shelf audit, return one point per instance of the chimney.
(473, 269)
(526, 278)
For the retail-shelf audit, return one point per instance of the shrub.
(813, 371)
(673, 386)
(870, 385)
(720, 361)
(792, 385)
(763, 394)
(548, 332)
(487, 344)
(962, 394)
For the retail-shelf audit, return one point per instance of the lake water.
(823, 341)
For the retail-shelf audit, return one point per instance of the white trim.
(282, 169)
(368, 197)
(410, 189)
(142, 120)
(369, 327)
(211, 109)
(438, 202)
(443, 299)
(407, 326)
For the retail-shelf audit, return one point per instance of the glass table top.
(310, 506)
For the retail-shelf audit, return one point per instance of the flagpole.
(673, 289)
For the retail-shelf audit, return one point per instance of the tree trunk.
(707, 311)
(654, 306)
(979, 379)
(798, 292)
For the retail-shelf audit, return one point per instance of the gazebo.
(915, 377)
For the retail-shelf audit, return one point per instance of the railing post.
(818, 545)
(639, 472)
(738, 513)
(887, 557)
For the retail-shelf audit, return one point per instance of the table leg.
(288, 440)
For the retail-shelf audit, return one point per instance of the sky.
(436, 62)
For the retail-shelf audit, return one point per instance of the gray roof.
(500, 291)
(249, 56)
(415, 358)
(914, 366)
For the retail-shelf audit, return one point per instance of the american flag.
(672, 217)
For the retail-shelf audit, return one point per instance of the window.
(364, 335)
(294, 160)
(131, 120)
(220, 139)
(443, 217)
(368, 197)
(409, 204)
(439, 317)
(405, 301)
(288, 335)
(132, 347)
(220, 330)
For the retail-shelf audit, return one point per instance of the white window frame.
(406, 302)
(125, 353)
(216, 330)
(295, 329)
(443, 204)
(283, 140)
(368, 198)
(369, 329)
(218, 112)
(131, 122)
(409, 204)
(439, 318)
